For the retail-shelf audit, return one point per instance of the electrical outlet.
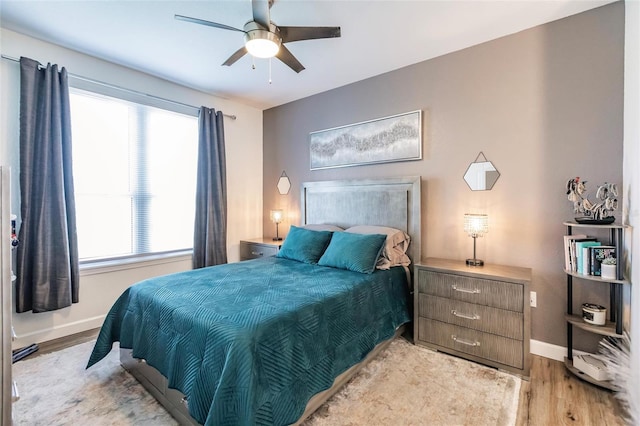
(533, 299)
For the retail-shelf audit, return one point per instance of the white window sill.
(105, 266)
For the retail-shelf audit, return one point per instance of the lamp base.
(475, 262)
(277, 239)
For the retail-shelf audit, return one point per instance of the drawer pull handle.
(467, 316)
(257, 253)
(465, 290)
(464, 342)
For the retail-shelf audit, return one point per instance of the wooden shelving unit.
(613, 326)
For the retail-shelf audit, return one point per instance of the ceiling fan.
(264, 39)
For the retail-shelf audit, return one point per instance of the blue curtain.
(210, 230)
(47, 267)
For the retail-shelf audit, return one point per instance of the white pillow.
(322, 227)
(395, 247)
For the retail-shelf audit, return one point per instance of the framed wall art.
(383, 140)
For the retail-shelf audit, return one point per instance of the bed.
(267, 341)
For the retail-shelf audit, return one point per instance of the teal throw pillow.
(304, 245)
(355, 252)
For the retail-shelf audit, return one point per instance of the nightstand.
(258, 247)
(477, 313)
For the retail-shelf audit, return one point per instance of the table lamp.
(276, 217)
(476, 225)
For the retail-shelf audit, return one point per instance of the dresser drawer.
(484, 345)
(478, 317)
(254, 250)
(494, 293)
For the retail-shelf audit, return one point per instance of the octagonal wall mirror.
(284, 184)
(481, 174)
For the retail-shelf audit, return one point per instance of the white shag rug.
(404, 385)
(411, 385)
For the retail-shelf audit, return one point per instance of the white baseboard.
(40, 336)
(548, 350)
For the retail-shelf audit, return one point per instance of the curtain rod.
(113, 86)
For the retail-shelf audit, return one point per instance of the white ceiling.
(377, 37)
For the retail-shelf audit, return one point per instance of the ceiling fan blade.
(261, 12)
(207, 23)
(287, 57)
(290, 34)
(237, 55)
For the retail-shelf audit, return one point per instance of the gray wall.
(544, 105)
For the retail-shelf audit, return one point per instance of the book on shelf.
(583, 258)
(575, 252)
(598, 254)
(568, 254)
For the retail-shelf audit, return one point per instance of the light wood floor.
(552, 396)
(65, 342)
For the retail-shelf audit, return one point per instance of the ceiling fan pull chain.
(269, 70)
(253, 62)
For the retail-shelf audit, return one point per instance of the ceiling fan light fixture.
(264, 39)
(262, 43)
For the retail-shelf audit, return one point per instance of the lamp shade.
(262, 43)
(276, 216)
(476, 225)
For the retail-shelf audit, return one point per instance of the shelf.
(595, 278)
(584, 225)
(608, 329)
(587, 378)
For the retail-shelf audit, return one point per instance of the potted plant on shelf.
(594, 213)
(608, 269)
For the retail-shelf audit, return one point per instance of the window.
(135, 176)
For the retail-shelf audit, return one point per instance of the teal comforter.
(251, 342)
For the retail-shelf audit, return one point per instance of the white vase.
(608, 272)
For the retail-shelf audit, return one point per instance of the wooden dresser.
(477, 313)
